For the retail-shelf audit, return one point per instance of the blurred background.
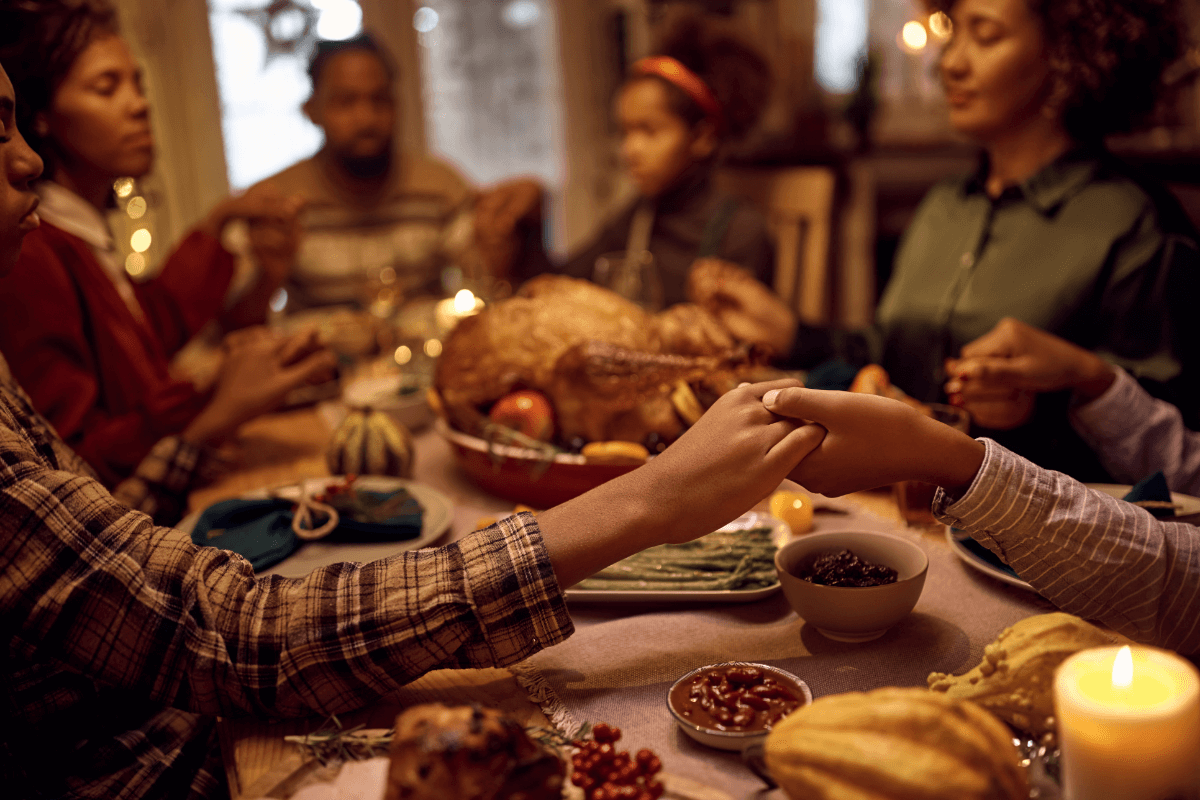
(505, 88)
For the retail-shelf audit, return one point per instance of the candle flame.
(464, 301)
(1122, 671)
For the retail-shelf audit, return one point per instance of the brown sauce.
(735, 699)
(846, 569)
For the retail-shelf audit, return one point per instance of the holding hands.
(744, 306)
(873, 441)
(260, 367)
(999, 373)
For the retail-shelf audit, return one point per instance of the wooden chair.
(798, 203)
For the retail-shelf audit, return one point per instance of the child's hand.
(735, 456)
(874, 441)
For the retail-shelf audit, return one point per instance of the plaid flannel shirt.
(123, 640)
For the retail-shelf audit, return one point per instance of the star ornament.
(288, 27)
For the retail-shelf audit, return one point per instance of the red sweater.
(95, 371)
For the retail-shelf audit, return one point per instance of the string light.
(940, 25)
(403, 354)
(140, 240)
(123, 187)
(136, 209)
(433, 348)
(913, 36)
(135, 264)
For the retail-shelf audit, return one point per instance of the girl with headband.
(678, 109)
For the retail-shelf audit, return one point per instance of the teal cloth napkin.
(261, 530)
(1152, 487)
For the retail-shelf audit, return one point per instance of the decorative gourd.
(894, 744)
(370, 443)
(1015, 679)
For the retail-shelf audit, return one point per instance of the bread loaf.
(468, 753)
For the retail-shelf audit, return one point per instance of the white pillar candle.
(1128, 724)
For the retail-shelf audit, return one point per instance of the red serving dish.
(523, 475)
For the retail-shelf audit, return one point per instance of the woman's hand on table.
(259, 368)
(873, 441)
(735, 456)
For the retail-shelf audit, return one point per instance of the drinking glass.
(914, 498)
(633, 275)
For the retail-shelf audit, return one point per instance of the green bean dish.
(721, 561)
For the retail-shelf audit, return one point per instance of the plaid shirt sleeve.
(160, 484)
(92, 587)
(1090, 554)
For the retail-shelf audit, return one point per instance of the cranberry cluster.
(605, 774)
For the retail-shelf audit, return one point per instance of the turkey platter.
(610, 370)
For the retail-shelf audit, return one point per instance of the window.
(490, 86)
(261, 49)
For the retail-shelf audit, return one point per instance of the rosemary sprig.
(337, 744)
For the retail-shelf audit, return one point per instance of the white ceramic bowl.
(732, 740)
(402, 397)
(852, 614)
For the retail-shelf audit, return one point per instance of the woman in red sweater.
(90, 347)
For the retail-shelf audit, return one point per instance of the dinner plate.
(754, 519)
(976, 555)
(1187, 504)
(435, 521)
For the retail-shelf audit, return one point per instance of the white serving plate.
(753, 519)
(973, 559)
(435, 521)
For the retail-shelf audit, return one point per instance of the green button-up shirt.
(1082, 249)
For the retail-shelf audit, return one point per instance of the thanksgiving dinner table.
(631, 646)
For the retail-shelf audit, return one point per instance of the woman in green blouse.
(1051, 229)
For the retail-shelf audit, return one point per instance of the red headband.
(688, 82)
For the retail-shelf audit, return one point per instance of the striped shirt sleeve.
(1090, 554)
(1135, 434)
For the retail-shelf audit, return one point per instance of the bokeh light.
(913, 36)
(425, 19)
(140, 241)
(940, 25)
(136, 209)
(135, 264)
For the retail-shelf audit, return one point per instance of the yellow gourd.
(370, 443)
(894, 744)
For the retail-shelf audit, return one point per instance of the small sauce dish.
(732, 705)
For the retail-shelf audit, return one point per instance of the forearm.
(144, 609)
(1090, 554)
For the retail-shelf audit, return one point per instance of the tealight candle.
(452, 309)
(1128, 724)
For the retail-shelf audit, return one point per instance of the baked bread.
(1015, 680)
(468, 753)
(894, 744)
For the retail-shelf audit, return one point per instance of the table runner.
(621, 661)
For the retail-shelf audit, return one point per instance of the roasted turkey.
(607, 366)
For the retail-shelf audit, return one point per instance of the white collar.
(64, 209)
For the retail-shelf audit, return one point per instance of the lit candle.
(452, 309)
(1128, 724)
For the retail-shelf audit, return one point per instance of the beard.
(365, 167)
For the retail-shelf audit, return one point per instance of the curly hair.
(1107, 59)
(39, 43)
(738, 75)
